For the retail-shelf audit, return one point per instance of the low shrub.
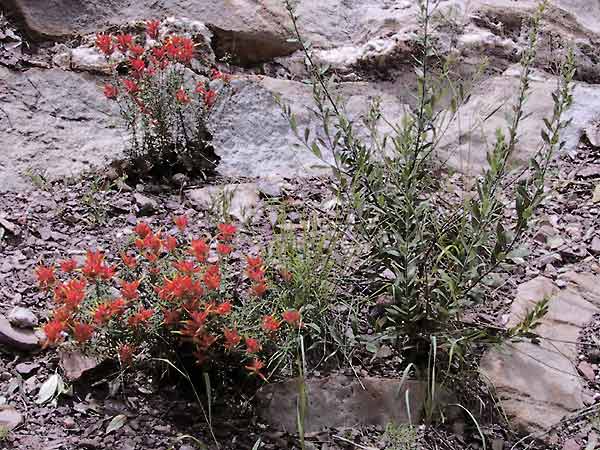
(170, 296)
(164, 108)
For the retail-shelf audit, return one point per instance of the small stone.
(26, 368)
(561, 283)
(10, 418)
(74, 364)
(587, 371)
(270, 187)
(16, 337)
(146, 205)
(498, 444)
(571, 444)
(22, 318)
(69, 422)
(595, 246)
(180, 179)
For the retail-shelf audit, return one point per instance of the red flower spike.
(170, 243)
(124, 41)
(62, 315)
(224, 308)
(254, 261)
(152, 27)
(224, 249)
(200, 88)
(182, 96)
(253, 345)
(232, 338)
(140, 317)
(212, 278)
(255, 366)
(142, 229)
(181, 222)
(186, 267)
(82, 332)
(226, 231)
(136, 50)
(270, 324)
(137, 64)
(103, 314)
(45, 276)
(126, 353)
(129, 291)
(292, 317)
(131, 86)
(259, 289)
(53, 331)
(105, 44)
(199, 248)
(129, 260)
(110, 91)
(68, 265)
(171, 317)
(210, 98)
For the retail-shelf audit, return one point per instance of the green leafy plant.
(429, 257)
(400, 437)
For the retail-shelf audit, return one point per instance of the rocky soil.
(58, 133)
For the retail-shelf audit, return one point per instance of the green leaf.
(116, 423)
(49, 389)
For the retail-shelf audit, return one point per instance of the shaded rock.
(55, 123)
(587, 371)
(340, 402)
(89, 59)
(242, 199)
(16, 337)
(22, 318)
(10, 418)
(571, 444)
(146, 205)
(26, 368)
(538, 384)
(74, 364)
(595, 246)
(270, 187)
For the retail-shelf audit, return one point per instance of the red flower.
(68, 265)
(82, 332)
(212, 278)
(232, 338)
(186, 267)
(182, 96)
(129, 260)
(126, 353)
(124, 41)
(62, 315)
(292, 317)
(140, 317)
(170, 243)
(215, 74)
(224, 308)
(107, 272)
(137, 64)
(200, 357)
(181, 222)
(259, 289)
(152, 28)
(142, 229)
(71, 293)
(199, 248)
(130, 290)
(117, 306)
(255, 368)
(110, 91)
(210, 97)
(103, 314)
(131, 86)
(105, 43)
(224, 249)
(185, 50)
(254, 261)
(226, 231)
(136, 50)
(45, 276)
(270, 324)
(171, 316)
(253, 345)
(255, 274)
(158, 53)
(200, 88)
(53, 331)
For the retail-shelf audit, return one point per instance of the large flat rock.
(539, 384)
(56, 123)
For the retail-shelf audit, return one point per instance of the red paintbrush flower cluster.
(167, 288)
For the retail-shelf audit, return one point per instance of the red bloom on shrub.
(158, 53)
(103, 313)
(226, 231)
(129, 260)
(254, 261)
(255, 366)
(45, 276)
(185, 50)
(152, 27)
(270, 324)
(131, 86)
(188, 267)
(253, 345)
(292, 317)
(107, 272)
(255, 274)
(130, 290)
(259, 289)
(200, 88)
(224, 249)
(224, 308)
(136, 50)
(71, 293)
(143, 315)
(171, 316)
(82, 332)
(62, 315)
(170, 243)
(142, 229)
(124, 41)
(68, 265)
(53, 331)
(118, 306)
(199, 248)
(137, 64)
(94, 264)
(110, 91)
(232, 338)
(181, 222)
(212, 278)
(126, 353)
(105, 43)
(182, 96)
(210, 98)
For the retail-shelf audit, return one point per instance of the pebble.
(22, 318)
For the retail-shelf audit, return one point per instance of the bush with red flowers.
(169, 295)
(165, 112)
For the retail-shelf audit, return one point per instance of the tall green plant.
(428, 256)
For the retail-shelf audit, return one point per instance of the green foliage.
(428, 255)
(400, 437)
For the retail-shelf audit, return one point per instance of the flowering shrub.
(165, 112)
(168, 295)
